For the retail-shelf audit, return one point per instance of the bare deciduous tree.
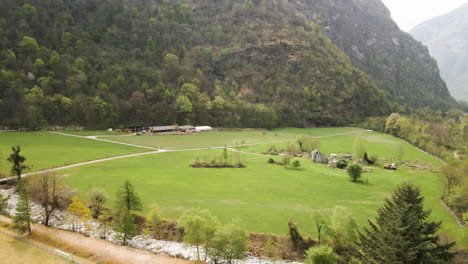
(51, 192)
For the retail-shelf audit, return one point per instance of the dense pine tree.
(23, 219)
(402, 233)
(127, 201)
(128, 198)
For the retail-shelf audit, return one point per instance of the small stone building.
(319, 157)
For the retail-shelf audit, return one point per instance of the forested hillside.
(223, 63)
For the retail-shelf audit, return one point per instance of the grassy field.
(13, 251)
(46, 150)
(385, 147)
(221, 138)
(265, 196)
(92, 133)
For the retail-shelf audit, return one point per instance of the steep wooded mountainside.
(447, 39)
(400, 65)
(223, 63)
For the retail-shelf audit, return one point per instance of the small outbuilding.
(203, 128)
(319, 157)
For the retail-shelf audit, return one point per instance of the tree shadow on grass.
(362, 182)
(294, 169)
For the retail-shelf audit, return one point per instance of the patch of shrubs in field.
(216, 165)
(285, 162)
(273, 150)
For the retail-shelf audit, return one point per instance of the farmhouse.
(165, 129)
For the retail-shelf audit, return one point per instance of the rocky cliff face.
(399, 64)
(447, 39)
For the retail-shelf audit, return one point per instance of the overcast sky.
(409, 13)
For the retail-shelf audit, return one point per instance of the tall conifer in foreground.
(127, 201)
(402, 233)
(22, 219)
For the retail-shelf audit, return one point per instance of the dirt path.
(96, 250)
(105, 140)
(82, 164)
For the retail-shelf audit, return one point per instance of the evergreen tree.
(127, 201)
(128, 198)
(18, 161)
(126, 226)
(22, 219)
(402, 233)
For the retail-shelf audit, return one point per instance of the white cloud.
(409, 13)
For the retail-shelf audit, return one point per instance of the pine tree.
(17, 161)
(128, 198)
(22, 219)
(402, 233)
(127, 201)
(127, 226)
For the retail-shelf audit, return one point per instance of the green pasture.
(230, 137)
(46, 150)
(263, 196)
(385, 147)
(93, 133)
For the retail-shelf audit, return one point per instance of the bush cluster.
(216, 165)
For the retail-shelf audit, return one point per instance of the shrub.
(355, 171)
(366, 158)
(298, 241)
(271, 161)
(273, 150)
(341, 164)
(296, 164)
(321, 255)
(372, 160)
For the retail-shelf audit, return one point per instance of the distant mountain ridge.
(400, 65)
(446, 37)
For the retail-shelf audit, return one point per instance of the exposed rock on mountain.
(447, 39)
(399, 64)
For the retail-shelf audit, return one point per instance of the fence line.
(66, 256)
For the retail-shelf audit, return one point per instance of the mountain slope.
(447, 40)
(222, 63)
(230, 63)
(400, 65)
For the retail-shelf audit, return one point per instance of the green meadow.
(263, 196)
(46, 150)
(221, 138)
